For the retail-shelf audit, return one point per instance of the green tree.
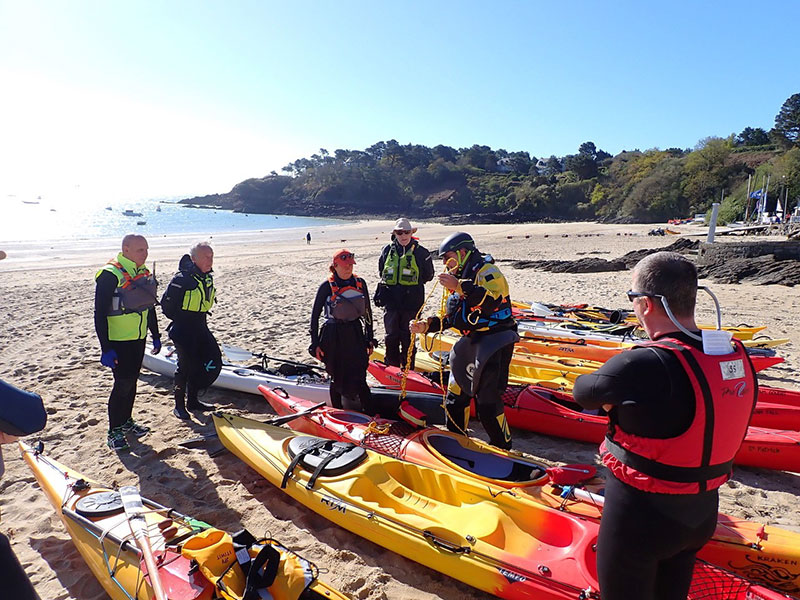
(787, 121)
(752, 136)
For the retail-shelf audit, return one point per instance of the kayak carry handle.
(443, 544)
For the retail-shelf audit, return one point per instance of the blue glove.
(109, 359)
(156, 344)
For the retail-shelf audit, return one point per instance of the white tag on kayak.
(732, 369)
(717, 342)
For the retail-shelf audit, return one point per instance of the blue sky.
(164, 98)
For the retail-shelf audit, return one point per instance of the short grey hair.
(671, 275)
(196, 248)
(126, 241)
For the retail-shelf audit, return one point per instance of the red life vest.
(701, 458)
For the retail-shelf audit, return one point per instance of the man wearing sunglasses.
(479, 306)
(678, 409)
(404, 268)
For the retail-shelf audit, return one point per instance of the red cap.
(344, 257)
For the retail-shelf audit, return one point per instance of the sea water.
(32, 219)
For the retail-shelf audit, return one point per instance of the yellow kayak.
(96, 521)
(427, 362)
(479, 534)
(497, 536)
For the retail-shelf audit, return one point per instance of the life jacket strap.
(667, 472)
(262, 572)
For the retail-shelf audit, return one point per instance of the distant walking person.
(125, 294)
(308, 238)
(187, 301)
(404, 267)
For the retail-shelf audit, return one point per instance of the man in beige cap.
(404, 267)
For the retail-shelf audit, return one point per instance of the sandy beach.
(266, 282)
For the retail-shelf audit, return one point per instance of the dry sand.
(266, 282)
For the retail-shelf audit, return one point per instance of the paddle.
(200, 440)
(134, 510)
(237, 354)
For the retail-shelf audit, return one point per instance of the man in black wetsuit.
(125, 294)
(480, 307)
(187, 301)
(678, 411)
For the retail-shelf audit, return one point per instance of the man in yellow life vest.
(125, 294)
(404, 267)
(187, 301)
(480, 307)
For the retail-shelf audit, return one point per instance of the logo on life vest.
(732, 369)
(209, 366)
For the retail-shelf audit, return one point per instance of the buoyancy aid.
(201, 298)
(470, 316)
(701, 458)
(346, 303)
(256, 569)
(134, 295)
(401, 269)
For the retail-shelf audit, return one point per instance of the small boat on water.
(141, 222)
(129, 213)
(158, 209)
(109, 208)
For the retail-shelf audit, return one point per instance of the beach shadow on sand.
(347, 546)
(68, 566)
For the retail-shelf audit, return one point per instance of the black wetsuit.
(344, 344)
(189, 331)
(129, 353)
(494, 376)
(647, 542)
(402, 302)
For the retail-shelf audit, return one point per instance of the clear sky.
(175, 97)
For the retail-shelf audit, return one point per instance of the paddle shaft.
(134, 510)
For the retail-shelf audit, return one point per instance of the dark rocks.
(583, 265)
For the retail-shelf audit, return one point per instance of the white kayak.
(243, 379)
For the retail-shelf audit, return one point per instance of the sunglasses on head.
(402, 232)
(634, 295)
(346, 256)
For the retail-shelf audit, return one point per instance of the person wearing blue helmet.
(479, 306)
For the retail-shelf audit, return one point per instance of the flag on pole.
(757, 194)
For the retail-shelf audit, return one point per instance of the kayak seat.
(322, 457)
(349, 416)
(486, 464)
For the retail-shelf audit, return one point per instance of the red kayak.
(731, 546)
(555, 413)
(776, 408)
(776, 395)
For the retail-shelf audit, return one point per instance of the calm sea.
(32, 219)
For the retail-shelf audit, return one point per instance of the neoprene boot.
(180, 404)
(192, 403)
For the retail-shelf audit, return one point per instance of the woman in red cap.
(346, 339)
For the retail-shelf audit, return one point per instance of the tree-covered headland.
(634, 186)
